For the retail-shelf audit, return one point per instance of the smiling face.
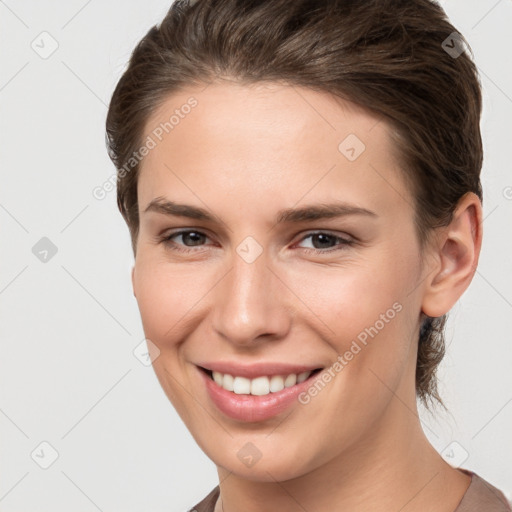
(238, 277)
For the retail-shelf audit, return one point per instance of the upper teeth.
(259, 385)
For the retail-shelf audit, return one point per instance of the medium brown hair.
(400, 59)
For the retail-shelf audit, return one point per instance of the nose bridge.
(249, 300)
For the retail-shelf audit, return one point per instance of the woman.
(301, 184)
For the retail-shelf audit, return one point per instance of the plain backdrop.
(74, 396)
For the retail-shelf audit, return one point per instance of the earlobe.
(458, 249)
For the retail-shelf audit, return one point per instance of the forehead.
(278, 140)
(272, 111)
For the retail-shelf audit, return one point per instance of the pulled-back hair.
(400, 59)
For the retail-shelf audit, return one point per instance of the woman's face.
(292, 247)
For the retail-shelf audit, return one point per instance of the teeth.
(302, 376)
(227, 382)
(260, 385)
(290, 381)
(241, 386)
(217, 377)
(276, 383)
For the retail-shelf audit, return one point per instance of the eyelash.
(343, 242)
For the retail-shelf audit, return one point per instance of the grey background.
(69, 325)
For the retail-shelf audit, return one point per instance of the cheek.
(165, 297)
(367, 316)
(349, 301)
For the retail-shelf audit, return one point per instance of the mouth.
(259, 386)
(260, 398)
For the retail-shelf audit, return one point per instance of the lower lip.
(251, 408)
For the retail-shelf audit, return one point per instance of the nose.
(251, 303)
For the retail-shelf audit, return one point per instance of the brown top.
(480, 496)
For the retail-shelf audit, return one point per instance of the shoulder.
(481, 495)
(207, 504)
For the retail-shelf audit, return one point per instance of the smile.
(259, 386)
(256, 397)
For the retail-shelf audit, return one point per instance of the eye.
(323, 242)
(189, 238)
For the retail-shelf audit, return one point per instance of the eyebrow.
(292, 215)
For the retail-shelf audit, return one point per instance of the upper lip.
(251, 371)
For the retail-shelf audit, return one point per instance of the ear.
(133, 281)
(455, 257)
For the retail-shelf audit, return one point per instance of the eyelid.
(343, 241)
(344, 236)
(167, 235)
(335, 234)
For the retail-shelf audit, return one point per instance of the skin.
(243, 154)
